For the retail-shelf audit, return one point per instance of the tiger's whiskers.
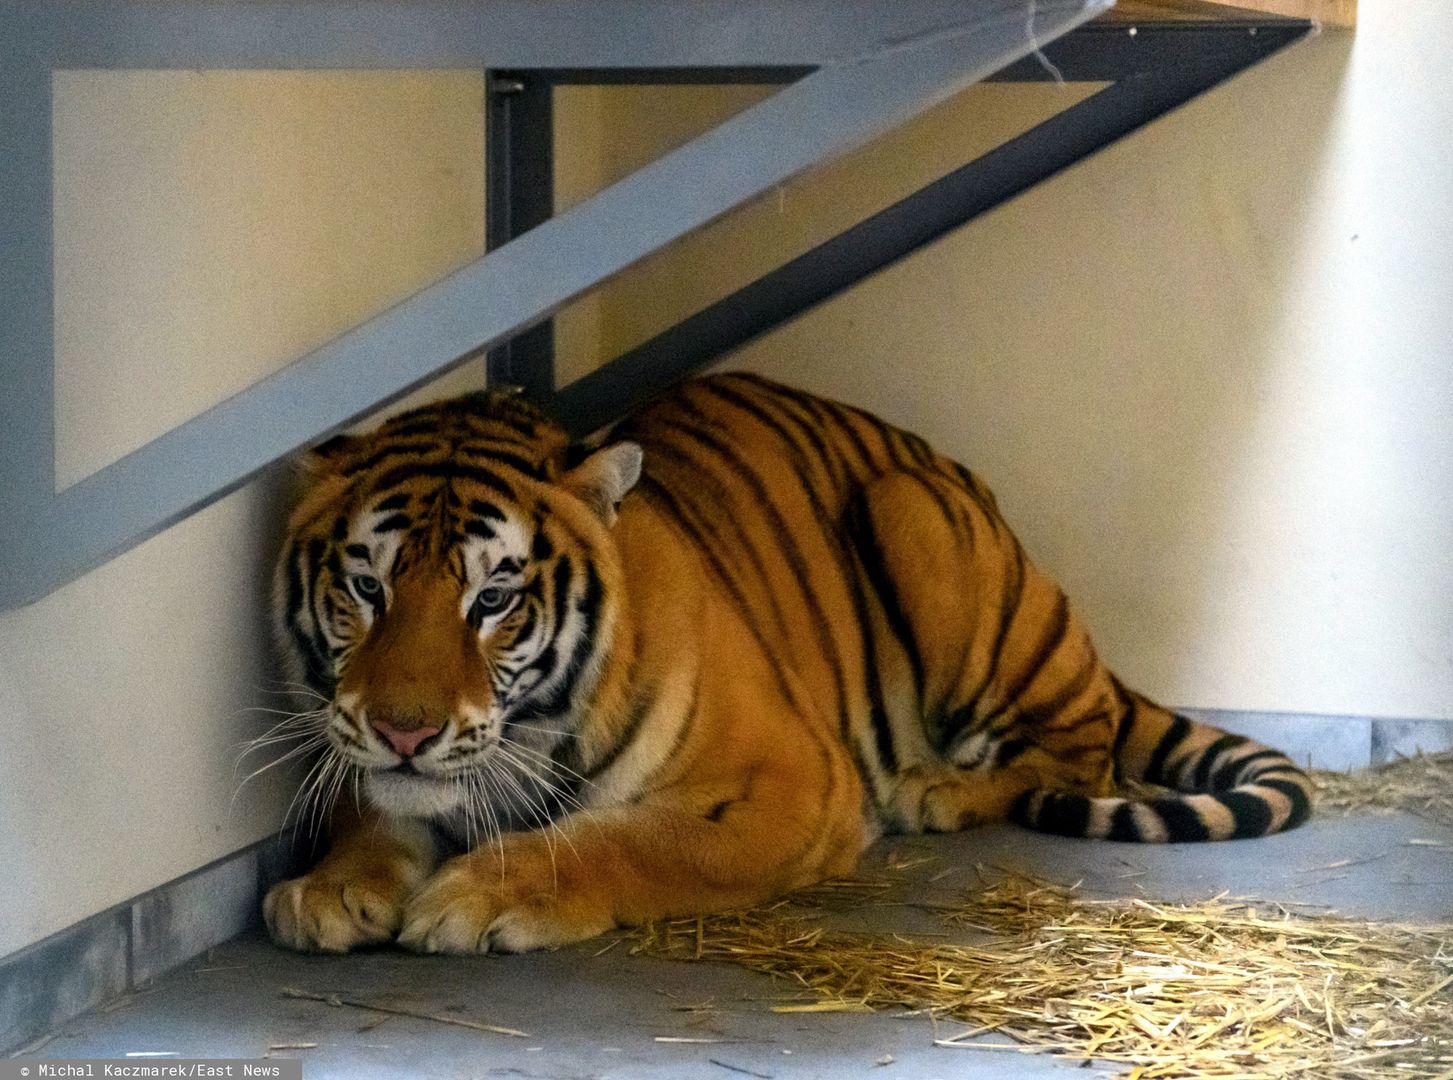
(318, 792)
(531, 804)
(304, 729)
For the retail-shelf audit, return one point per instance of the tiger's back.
(896, 607)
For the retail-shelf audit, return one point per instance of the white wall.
(209, 228)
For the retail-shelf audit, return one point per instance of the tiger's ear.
(329, 456)
(604, 478)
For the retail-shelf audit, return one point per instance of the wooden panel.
(1330, 13)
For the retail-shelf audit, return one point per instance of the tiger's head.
(451, 587)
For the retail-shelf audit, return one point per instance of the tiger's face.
(453, 591)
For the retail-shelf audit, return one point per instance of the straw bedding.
(1221, 988)
(1422, 785)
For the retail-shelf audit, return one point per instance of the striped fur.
(801, 627)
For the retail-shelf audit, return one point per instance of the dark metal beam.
(520, 194)
(1111, 51)
(760, 75)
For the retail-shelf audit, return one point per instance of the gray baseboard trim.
(101, 958)
(47, 984)
(1333, 742)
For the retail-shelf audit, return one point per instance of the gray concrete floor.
(597, 1015)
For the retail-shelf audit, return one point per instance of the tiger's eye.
(367, 586)
(492, 599)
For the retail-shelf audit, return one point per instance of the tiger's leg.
(1011, 695)
(944, 797)
(356, 894)
(685, 850)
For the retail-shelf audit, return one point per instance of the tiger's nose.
(404, 741)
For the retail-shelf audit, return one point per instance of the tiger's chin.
(412, 795)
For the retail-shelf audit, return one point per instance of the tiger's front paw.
(323, 912)
(470, 907)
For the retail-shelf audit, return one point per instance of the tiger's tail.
(1223, 786)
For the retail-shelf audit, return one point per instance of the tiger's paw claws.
(320, 913)
(466, 908)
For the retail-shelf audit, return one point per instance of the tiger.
(690, 666)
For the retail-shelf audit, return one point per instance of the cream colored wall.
(1207, 371)
(209, 227)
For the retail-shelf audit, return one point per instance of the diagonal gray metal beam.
(829, 112)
